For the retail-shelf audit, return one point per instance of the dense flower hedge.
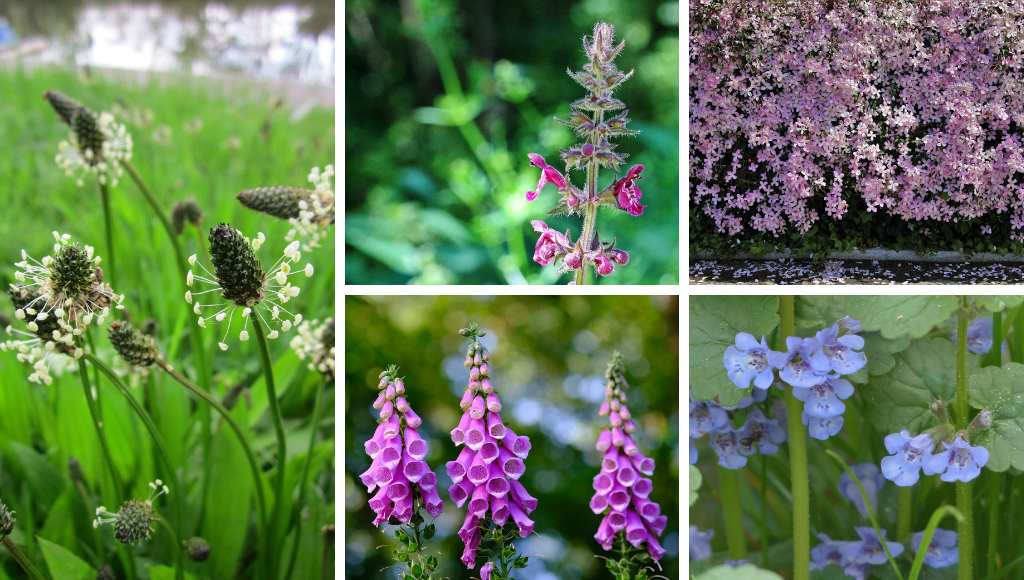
(805, 113)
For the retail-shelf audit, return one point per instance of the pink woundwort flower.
(622, 489)
(627, 192)
(399, 473)
(596, 119)
(486, 474)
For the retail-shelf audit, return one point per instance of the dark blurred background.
(445, 98)
(549, 355)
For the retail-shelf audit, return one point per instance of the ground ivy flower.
(706, 417)
(804, 364)
(958, 461)
(869, 551)
(96, 145)
(486, 474)
(726, 445)
(244, 285)
(979, 335)
(700, 543)
(823, 406)
(315, 341)
(399, 473)
(749, 360)
(907, 456)
(872, 480)
(942, 552)
(134, 522)
(842, 347)
(760, 434)
(622, 488)
(828, 552)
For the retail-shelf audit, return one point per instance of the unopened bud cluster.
(135, 347)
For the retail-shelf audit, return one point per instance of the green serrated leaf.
(695, 480)
(998, 389)
(714, 322)
(745, 572)
(922, 374)
(997, 303)
(892, 316)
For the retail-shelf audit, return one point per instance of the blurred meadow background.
(445, 99)
(548, 357)
(217, 99)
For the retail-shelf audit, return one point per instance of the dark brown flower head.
(7, 521)
(278, 201)
(65, 106)
(90, 137)
(185, 213)
(237, 269)
(136, 348)
(197, 548)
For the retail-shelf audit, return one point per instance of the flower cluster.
(813, 367)
(97, 144)
(622, 489)
(872, 481)
(309, 211)
(700, 544)
(245, 286)
(596, 118)
(315, 341)
(957, 460)
(759, 432)
(399, 474)
(857, 557)
(134, 522)
(57, 298)
(800, 111)
(487, 471)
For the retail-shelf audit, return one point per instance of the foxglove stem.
(108, 226)
(799, 482)
(964, 501)
(154, 434)
(242, 440)
(317, 411)
(282, 447)
(22, 559)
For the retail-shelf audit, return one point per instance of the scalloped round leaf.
(714, 323)
(695, 480)
(997, 303)
(899, 316)
(744, 572)
(922, 374)
(998, 389)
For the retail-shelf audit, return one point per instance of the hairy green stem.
(904, 513)
(995, 507)
(158, 441)
(22, 560)
(282, 448)
(964, 500)
(733, 513)
(799, 479)
(590, 217)
(317, 411)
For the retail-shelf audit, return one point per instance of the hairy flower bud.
(136, 348)
(185, 213)
(237, 269)
(65, 106)
(7, 521)
(197, 548)
(278, 201)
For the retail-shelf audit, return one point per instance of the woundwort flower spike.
(134, 522)
(246, 287)
(315, 341)
(96, 145)
(185, 213)
(487, 472)
(596, 119)
(622, 489)
(309, 211)
(399, 477)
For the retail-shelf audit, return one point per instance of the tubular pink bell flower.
(548, 174)
(622, 488)
(486, 474)
(399, 473)
(627, 192)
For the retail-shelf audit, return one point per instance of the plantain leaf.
(228, 502)
(63, 563)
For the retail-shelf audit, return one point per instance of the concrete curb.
(879, 254)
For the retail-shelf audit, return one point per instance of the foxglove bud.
(136, 348)
(7, 521)
(197, 548)
(64, 105)
(278, 201)
(185, 213)
(237, 269)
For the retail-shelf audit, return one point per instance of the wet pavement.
(802, 271)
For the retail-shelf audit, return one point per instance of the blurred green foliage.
(445, 98)
(189, 142)
(549, 355)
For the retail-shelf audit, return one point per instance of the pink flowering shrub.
(596, 119)
(807, 110)
(399, 474)
(622, 489)
(486, 473)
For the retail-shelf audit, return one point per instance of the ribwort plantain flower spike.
(197, 548)
(315, 341)
(7, 521)
(622, 488)
(96, 145)
(134, 523)
(595, 119)
(486, 474)
(186, 213)
(399, 477)
(309, 211)
(135, 347)
(244, 285)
